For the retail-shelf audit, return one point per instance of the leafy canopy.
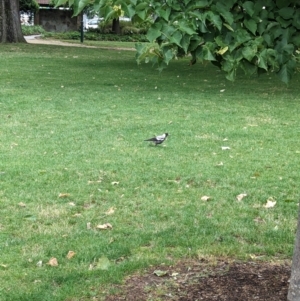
(28, 6)
(261, 35)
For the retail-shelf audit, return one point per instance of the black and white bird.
(158, 139)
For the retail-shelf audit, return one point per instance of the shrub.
(28, 30)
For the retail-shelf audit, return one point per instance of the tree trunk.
(116, 26)
(10, 24)
(294, 288)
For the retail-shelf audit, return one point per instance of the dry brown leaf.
(241, 196)
(205, 198)
(270, 203)
(70, 254)
(110, 211)
(104, 226)
(53, 262)
(77, 215)
(64, 195)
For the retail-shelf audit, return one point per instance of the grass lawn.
(72, 157)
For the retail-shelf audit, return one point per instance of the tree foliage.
(28, 6)
(261, 35)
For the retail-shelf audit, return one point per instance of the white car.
(93, 23)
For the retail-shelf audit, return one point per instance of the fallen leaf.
(225, 147)
(77, 215)
(88, 226)
(30, 217)
(222, 90)
(220, 164)
(64, 195)
(70, 254)
(270, 203)
(241, 196)
(4, 266)
(110, 211)
(21, 204)
(104, 226)
(103, 263)
(160, 273)
(39, 263)
(205, 198)
(72, 204)
(53, 262)
(259, 220)
(115, 183)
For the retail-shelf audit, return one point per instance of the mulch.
(208, 281)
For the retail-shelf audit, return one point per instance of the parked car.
(126, 19)
(93, 23)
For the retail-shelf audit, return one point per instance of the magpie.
(158, 139)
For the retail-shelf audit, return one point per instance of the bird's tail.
(151, 139)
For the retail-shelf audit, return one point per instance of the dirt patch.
(38, 40)
(207, 281)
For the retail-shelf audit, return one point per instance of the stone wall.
(57, 20)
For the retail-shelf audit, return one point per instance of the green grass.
(73, 121)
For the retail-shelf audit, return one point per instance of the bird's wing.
(161, 137)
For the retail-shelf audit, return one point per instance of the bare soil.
(208, 281)
(38, 40)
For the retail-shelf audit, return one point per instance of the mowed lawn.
(73, 160)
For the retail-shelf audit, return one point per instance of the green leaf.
(183, 26)
(249, 53)
(228, 26)
(185, 42)
(222, 9)
(251, 25)
(286, 12)
(239, 36)
(142, 6)
(248, 68)
(215, 19)
(79, 6)
(231, 75)
(168, 55)
(60, 2)
(296, 20)
(262, 60)
(286, 71)
(281, 3)
(154, 32)
(207, 53)
(164, 12)
(142, 14)
(176, 38)
(103, 263)
(249, 7)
